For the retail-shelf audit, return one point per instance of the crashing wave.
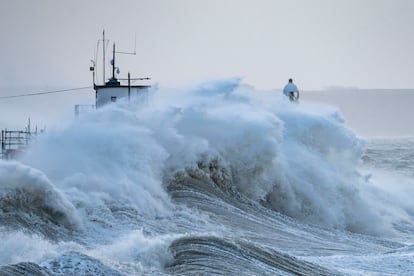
(298, 159)
(28, 200)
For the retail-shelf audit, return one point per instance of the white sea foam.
(18, 247)
(24, 187)
(135, 247)
(106, 156)
(107, 173)
(301, 158)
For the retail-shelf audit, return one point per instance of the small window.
(113, 99)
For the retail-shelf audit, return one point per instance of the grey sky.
(48, 44)
(361, 43)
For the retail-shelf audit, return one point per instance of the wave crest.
(29, 200)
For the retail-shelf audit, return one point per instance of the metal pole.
(2, 150)
(113, 62)
(129, 86)
(93, 73)
(103, 45)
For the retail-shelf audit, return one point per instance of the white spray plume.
(301, 158)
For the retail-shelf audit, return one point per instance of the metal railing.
(81, 109)
(14, 142)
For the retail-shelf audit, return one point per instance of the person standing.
(291, 90)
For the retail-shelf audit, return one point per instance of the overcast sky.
(48, 44)
(320, 43)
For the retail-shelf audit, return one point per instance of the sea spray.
(215, 176)
(27, 193)
(299, 158)
(106, 156)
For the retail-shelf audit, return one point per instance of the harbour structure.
(14, 142)
(113, 89)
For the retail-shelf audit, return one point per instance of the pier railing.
(81, 109)
(14, 142)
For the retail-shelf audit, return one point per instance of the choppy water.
(217, 179)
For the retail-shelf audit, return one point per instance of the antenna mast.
(113, 63)
(135, 48)
(103, 46)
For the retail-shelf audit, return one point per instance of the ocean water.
(216, 179)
